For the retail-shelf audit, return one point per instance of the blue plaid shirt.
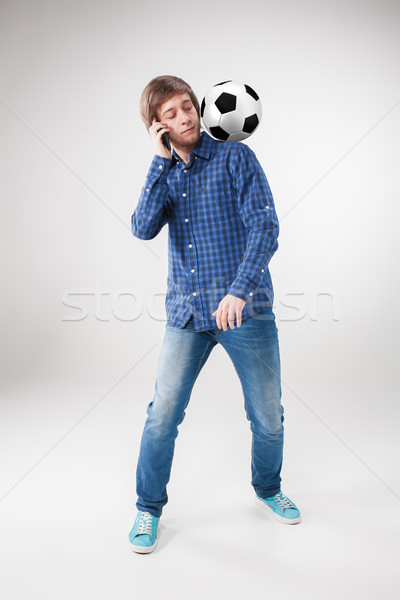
(223, 229)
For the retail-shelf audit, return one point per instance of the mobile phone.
(165, 140)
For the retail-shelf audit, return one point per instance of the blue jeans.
(254, 350)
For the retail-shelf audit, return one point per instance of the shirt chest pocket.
(213, 201)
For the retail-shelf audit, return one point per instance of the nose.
(184, 117)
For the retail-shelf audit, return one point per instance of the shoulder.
(233, 151)
(240, 159)
(229, 149)
(240, 152)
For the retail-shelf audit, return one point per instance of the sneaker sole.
(143, 549)
(262, 504)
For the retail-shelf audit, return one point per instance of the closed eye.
(185, 108)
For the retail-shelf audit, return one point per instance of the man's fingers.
(161, 130)
(231, 318)
(157, 129)
(226, 314)
(224, 318)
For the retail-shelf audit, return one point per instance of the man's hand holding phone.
(157, 131)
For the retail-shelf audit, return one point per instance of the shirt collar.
(203, 148)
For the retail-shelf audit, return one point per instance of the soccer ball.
(231, 111)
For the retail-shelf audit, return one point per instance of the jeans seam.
(248, 415)
(195, 376)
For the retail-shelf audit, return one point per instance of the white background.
(76, 382)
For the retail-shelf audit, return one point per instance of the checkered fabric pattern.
(223, 229)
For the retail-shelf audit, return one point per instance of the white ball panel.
(238, 137)
(211, 116)
(258, 109)
(246, 105)
(233, 87)
(232, 122)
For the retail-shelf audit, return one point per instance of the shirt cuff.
(239, 292)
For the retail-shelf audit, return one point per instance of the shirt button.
(194, 294)
(195, 157)
(192, 270)
(251, 293)
(184, 195)
(262, 270)
(147, 190)
(185, 170)
(267, 207)
(177, 162)
(190, 245)
(186, 220)
(160, 166)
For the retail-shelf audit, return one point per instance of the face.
(180, 116)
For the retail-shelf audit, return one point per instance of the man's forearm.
(261, 246)
(150, 214)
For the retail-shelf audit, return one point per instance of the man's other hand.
(226, 311)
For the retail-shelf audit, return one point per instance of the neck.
(184, 153)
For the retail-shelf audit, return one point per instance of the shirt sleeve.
(257, 212)
(151, 213)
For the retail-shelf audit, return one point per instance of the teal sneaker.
(143, 535)
(281, 508)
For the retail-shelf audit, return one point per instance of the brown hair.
(157, 91)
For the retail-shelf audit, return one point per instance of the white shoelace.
(145, 523)
(283, 501)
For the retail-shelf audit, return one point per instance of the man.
(223, 232)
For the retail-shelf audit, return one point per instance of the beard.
(192, 138)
